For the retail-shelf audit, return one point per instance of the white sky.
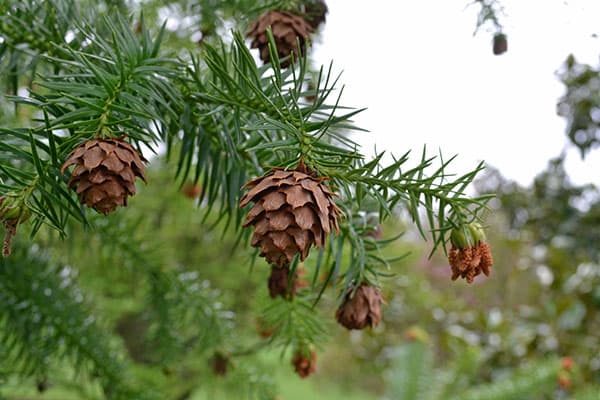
(427, 80)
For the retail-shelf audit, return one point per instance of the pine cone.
(361, 310)
(303, 365)
(292, 212)
(500, 44)
(278, 282)
(219, 363)
(315, 12)
(104, 173)
(286, 28)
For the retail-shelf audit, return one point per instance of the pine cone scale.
(273, 201)
(305, 217)
(280, 221)
(93, 157)
(113, 163)
(296, 196)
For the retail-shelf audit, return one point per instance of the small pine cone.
(104, 173)
(286, 28)
(361, 310)
(219, 364)
(315, 12)
(292, 212)
(303, 365)
(500, 45)
(42, 385)
(278, 282)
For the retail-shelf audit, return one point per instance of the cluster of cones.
(469, 255)
(291, 31)
(291, 212)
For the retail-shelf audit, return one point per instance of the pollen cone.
(104, 173)
(470, 254)
(292, 211)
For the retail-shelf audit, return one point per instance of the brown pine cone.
(303, 365)
(361, 310)
(219, 363)
(286, 28)
(104, 173)
(292, 212)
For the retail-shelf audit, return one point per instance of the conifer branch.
(43, 318)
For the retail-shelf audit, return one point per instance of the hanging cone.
(315, 12)
(286, 28)
(304, 362)
(104, 173)
(469, 255)
(361, 310)
(292, 212)
(500, 45)
(219, 363)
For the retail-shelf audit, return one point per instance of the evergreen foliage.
(413, 376)
(44, 317)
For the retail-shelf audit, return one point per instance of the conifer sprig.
(36, 331)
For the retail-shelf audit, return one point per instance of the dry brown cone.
(286, 28)
(292, 211)
(469, 262)
(304, 363)
(361, 310)
(104, 173)
(278, 282)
